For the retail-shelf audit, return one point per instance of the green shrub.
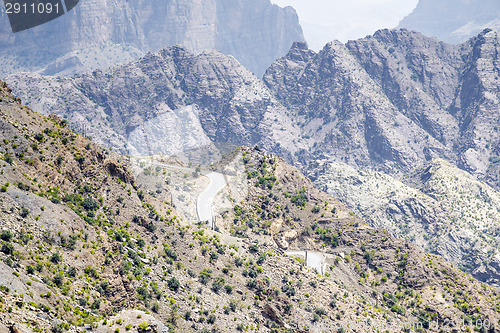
(4, 188)
(7, 248)
(92, 272)
(171, 253)
(300, 199)
(71, 272)
(24, 212)
(218, 284)
(39, 137)
(90, 204)
(253, 248)
(143, 326)
(173, 284)
(398, 309)
(58, 280)
(211, 319)
(205, 275)
(80, 159)
(6, 235)
(187, 315)
(56, 258)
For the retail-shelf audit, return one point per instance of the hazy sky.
(326, 20)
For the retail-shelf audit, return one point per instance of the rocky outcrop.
(453, 21)
(98, 34)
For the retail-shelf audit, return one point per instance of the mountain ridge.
(391, 101)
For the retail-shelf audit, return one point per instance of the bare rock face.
(168, 102)
(98, 34)
(476, 105)
(345, 109)
(453, 21)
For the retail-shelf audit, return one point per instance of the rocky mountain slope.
(99, 34)
(394, 100)
(84, 244)
(438, 207)
(452, 21)
(391, 101)
(167, 103)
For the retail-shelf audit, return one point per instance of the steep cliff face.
(345, 109)
(476, 106)
(453, 21)
(418, 74)
(98, 34)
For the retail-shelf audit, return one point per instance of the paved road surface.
(206, 198)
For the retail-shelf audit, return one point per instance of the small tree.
(6, 235)
(90, 204)
(173, 284)
(56, 258)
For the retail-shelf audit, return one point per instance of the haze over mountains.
(344, 20)
(102, 33)
(453, 21)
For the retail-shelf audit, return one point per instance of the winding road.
(204, 210)
(204, 204)
(205, 200)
